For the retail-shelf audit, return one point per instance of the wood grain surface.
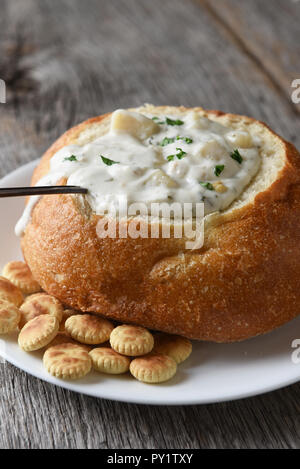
(66, 60)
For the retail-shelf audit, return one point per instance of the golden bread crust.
(243, 282)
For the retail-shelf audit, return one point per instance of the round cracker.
(177, 347)
(153, 368)
(130, 340)
(20, 275)
(67, 361)
(9, 292)
(9, 317)
(38, 304)
(89, 329)
(106, 360)
(67, 313)
(38, 332)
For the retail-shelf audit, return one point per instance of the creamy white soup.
(148, 158)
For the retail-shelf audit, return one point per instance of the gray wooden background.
(66, 60)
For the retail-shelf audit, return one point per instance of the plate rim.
(66, 385)
(19, 169)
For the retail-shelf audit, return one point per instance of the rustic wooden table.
(66, 60)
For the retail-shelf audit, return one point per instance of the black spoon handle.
(41, 190)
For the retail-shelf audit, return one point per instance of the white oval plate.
(213, 373)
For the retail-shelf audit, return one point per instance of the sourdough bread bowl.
(242, 282)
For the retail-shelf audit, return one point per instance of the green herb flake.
(236, 156)
(167, 141)
(218, 169)
(156, 119)
(180, 154)
(168, 121)
(185, 139)
(174, 122)
(188, 140)
(207, 185)
(171, 157)
(108, 162)
(71, 158)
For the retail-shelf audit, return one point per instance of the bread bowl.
(242, 282)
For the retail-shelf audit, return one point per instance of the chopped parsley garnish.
(171, 157)
(168, 121)
(167, 141)
(185, 139)
(108, 162)
(157, 120)
(207, 185)
(218, 169)
(71, 158)
(180, 154)
(174, 122)
(236, 156)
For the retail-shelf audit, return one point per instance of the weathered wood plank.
(65, 60)
(34, 414)
(268, 32)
